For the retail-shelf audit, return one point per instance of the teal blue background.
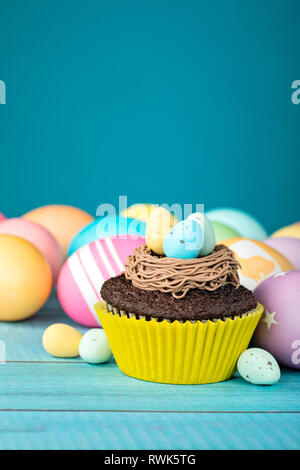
(162, 101)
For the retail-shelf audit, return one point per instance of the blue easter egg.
(242, 222)
(209, 236)
(184, 240)
(107, 226)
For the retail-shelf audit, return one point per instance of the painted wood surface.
(103, 387)
(111, 430)
(51, 403)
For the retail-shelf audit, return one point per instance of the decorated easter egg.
(292, 231)
(83, 273)
(209, 238)
(38, 236)
(279, 328)
(94, 347)
(61, 340)
(257, 260)
(25, 279)
(159, 224)
(62, 221)
(240, 221)
(222, 232)
(103, 227)
(258, 366)
(139, 211)
(288, 247)
(184, 240)
(2, 217)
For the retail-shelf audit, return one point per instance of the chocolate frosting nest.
(148, 271)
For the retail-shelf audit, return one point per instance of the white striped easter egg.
(82, 275)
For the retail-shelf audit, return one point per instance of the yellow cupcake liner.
(177, 352)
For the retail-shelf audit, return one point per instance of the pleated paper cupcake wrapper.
(177, 352)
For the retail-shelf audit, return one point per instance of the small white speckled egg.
(258, 367)
(94, 347)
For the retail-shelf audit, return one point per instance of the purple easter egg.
(288, 247)
(279, 328)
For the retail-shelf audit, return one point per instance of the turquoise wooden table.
(49, 403)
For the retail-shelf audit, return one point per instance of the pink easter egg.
(279, 328)
(83, 273)
(2, 217)
(39, 237)
(288, 247)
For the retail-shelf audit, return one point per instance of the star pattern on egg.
(269, 319)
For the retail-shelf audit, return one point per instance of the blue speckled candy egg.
(258, 367)
(184, 240)
(209, 242)
(108, 226)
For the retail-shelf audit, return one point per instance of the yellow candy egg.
(158, 225)
(292, 231)
(25, 278)
(139, 211)
(61, 340)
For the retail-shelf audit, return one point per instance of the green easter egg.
(223, 232)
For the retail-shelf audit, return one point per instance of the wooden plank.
(90, 431)
(74, 386)
(23, 340)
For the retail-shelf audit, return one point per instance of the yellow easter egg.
(158, 225)
(258, 260)
(25, 278)
(139, 211)
(64, 222)
(292, 231)
(61, 340)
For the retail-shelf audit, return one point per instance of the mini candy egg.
(208, 232)
(2, 217)
(223, 232)
(288, 247)
(278, 330)
(83, 273)
(25, 279)
(139, 211)
(62, 221)
(108, 226)
(38, 236)
(94, 347)
(159, 224)
(61, 340)
(257, 260)
(292, 231)
(258, 367)
(242, 222)
(184, 240)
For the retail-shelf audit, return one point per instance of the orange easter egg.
(64, 222)
(258, 260)
(25, 279)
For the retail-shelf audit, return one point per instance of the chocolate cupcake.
(176, 320)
